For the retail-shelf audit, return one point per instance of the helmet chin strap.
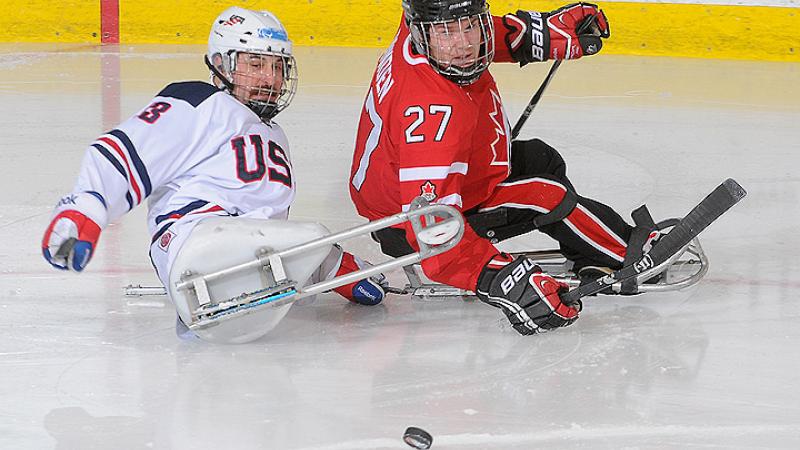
(264, 110)
(228, 84)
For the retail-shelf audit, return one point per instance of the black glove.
(529, 298)
(569, 32)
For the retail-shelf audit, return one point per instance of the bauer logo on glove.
(571, 32)
(531, 307)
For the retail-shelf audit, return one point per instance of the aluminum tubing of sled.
(418, 210)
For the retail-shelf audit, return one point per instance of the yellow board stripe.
(50, 21)
(346, 23)
(705, 31)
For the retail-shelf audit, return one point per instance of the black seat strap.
(644, 225)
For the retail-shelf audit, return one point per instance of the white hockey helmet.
(242, 31)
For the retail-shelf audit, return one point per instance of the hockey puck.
(417, 438)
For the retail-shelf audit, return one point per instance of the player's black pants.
(538, 195)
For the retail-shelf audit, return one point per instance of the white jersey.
(194, 152)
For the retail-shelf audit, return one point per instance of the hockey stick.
(534, 100)
(539, 92)
(707, 211)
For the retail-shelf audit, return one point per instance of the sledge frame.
(442, 223)
(685, 269)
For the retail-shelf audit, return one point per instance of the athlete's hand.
(71, 237)
(569, 32)
(369, 291)
(529, 298)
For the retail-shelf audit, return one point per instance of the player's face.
(258, 77)
(456, 43)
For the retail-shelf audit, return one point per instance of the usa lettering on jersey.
(196, 151)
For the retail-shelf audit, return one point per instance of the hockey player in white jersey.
(198, 151)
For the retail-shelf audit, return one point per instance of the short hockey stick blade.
(707, 211)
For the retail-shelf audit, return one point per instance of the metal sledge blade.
(244, 304)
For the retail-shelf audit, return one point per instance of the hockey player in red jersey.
(433, 124)
(198, 151)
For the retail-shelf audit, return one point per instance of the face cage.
(266, 109)
(448, 47)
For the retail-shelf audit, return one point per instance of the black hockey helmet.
(459, 53)
(442, 10)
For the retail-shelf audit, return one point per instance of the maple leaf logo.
(428, 191)
(499, 156)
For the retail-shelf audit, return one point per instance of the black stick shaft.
(534, 100)
(587, 23)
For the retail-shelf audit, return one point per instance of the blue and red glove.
(569, 32)
(71, 237)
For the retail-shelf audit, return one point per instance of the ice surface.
(714, 367)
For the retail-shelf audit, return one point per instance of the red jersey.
(422, 134)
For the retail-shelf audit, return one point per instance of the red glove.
(569, 32)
